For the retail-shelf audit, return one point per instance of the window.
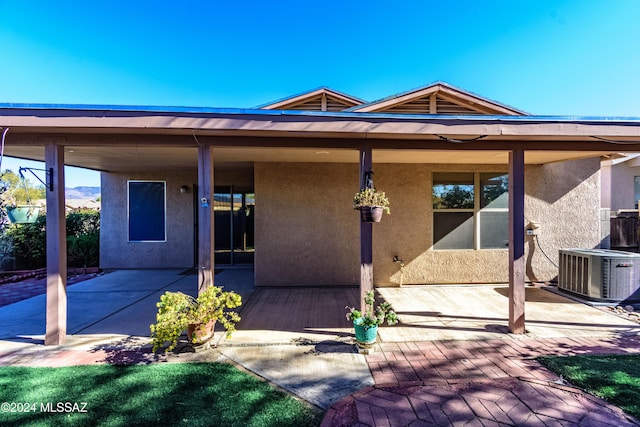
(147, 211)
(470, 210)
(636, 190)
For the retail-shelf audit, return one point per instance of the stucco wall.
(617, 187)
(307, 232)
(117, 252)
(408, 232)
(565, 199)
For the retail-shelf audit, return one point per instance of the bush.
(83, 241)
(29, 244)
(84, 250)
(83, 222)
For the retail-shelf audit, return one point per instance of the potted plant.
(371, 203)
(366, 322)
(178, 312)
(25, 213)
(22, 214)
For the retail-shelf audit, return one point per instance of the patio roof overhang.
(169, 136)
(137, 138)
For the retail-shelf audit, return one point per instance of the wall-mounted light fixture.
(184, 189)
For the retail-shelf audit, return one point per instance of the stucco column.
(516, 241)
(56, 237)
(366, 233)
(205, 217)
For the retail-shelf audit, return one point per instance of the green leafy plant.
(177, 310)
(372, 316)
(370, 197)
(29, 243)
(26, 243)
(83, 238)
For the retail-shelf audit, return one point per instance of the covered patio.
(145, 141)
(123, 303)
(426, 313)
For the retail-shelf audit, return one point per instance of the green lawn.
(615, 379)
(190, 394)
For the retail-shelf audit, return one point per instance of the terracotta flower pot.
(203, 333)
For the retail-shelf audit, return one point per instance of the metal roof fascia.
(324, 114)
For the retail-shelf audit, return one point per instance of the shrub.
(29, 244)
(83, 250)
(83, 241)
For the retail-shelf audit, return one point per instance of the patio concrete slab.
(463, 312)
(321, 374)
(122, 303)
(426, 313)
(291, 315)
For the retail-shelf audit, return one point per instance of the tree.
(15, 190)
(453, 197)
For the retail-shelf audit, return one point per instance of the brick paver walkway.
(28, 287)
(478, 383)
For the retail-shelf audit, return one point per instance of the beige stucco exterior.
(308, 234)
(564, 198)
(178, 249)
(618, 190)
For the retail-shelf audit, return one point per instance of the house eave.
(43, 119)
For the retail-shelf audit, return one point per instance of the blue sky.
(574, 57)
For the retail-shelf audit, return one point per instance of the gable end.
(438, 98)
(322, 99)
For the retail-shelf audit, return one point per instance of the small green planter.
(23, 214)
(365, 335)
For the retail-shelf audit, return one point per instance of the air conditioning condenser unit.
(600, 274)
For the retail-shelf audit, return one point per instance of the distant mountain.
(82, 193)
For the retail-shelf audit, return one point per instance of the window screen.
(147, 211)
(470, 210)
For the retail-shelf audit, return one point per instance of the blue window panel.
(147, 211)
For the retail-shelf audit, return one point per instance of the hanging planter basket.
(371, 213)
(23, 214)
(371, 203)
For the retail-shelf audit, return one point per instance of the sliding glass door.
(234, 215)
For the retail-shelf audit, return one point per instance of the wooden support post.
(205, 218)
(516, 242)
(56, 237)
(366, 233)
